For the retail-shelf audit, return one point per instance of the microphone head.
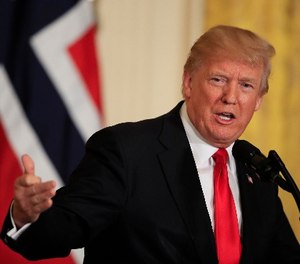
(244, 151)
(250, 155)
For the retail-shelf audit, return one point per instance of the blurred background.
(143, 45)
(71, 67)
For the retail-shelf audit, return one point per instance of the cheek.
(250, 103)
(247, 111)
(204, 94)
(200, 102)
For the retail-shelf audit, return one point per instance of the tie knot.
(220, 155)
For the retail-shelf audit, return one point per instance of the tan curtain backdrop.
(143, 46)
(277, 124)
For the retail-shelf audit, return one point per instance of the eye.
(247, 85)
(217, 80)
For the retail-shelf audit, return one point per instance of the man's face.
(221, 97)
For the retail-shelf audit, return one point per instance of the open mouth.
(226, 116)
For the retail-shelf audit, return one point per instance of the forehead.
(231, 68)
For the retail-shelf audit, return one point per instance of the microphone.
(263, 166)
(267, 168)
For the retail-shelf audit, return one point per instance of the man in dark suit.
(144, 192)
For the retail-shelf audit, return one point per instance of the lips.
(226, 116)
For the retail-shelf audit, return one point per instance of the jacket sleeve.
(88, 204)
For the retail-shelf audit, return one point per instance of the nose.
(229, 95)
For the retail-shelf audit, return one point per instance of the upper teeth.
(225, 116)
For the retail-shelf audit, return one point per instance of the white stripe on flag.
(50, 46)
(20, 133)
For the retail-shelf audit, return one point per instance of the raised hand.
(31, 195)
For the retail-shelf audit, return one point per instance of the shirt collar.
(202, 151)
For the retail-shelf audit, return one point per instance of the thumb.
(28, 164)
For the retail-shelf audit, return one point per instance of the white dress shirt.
(202, 153)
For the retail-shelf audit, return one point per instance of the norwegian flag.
(50, 98)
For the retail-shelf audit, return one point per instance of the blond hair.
(233, 43)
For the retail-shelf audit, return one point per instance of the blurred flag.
(50, 99)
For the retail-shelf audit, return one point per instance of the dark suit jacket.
(136, 198)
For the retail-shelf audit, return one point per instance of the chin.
(224, 142)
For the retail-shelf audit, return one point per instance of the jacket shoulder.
(136, 131)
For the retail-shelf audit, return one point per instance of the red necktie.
(226, 224)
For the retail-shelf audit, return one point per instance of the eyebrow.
(251, 80)
(244, 79)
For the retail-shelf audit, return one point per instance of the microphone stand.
(288, 184)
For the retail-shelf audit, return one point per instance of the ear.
(186, 85)
(258, 102)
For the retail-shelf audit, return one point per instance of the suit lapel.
(180, 171)
(251, 218)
